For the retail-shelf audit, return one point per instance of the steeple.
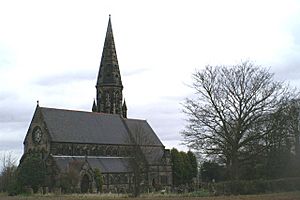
(109, 84)
(109, 73)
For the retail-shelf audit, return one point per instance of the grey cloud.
(5, 117)
(294, 27)
(12, 135)
(170, 101)
(65, 78)
(290, 70)
(11, 145)
(160, 112)
(164, 108)
(289, 67)
(164, 116)
(11, 112)
(6, 95)
(135, 72)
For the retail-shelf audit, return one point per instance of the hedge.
(256, 186)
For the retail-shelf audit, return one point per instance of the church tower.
(109, 84)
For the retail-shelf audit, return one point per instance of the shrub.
(98, 179)
(257, 186)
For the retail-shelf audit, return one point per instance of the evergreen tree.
(176, 167)
(31, 172)
(211, 171)
(193, 164)
(184, 167)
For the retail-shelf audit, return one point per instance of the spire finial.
(94, 107)
(124, 109)
(38, 103)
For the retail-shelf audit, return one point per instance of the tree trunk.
(234, 167)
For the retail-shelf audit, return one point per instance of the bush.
(14, 187)
(98, 180)
(257, 186)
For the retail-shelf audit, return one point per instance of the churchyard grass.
(274, 196)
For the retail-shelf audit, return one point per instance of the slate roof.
(110, 164)
(144, 136)
(142, 132)
(84, 127)
(96, 128)
(105, 164)
(153, 155)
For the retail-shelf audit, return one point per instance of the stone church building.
(105, 139)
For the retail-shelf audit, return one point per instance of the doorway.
(85, 184)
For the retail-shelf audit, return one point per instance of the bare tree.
(8, 169)
(229, 111)
(139, 163)
(70, 179)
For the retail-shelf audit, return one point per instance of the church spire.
(109, 72)
(109, 84)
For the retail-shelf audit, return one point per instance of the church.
(124, 150)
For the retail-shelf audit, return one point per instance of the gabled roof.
(143, 135)
(84, 127)
(96, 128)
(142, 132)
(153, 155)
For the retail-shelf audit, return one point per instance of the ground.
(275, 196)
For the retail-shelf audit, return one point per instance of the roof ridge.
(134, 119)
(90, 112)
(80, 111)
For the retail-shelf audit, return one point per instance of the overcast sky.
(50, 51)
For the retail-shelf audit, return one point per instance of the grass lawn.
(274, 196)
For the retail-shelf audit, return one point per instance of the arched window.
(104, 179)
(115, 151)
(117, 179)
(101, 150)
(124, 178)
(108, 151)
(111, 179)
(121, 152)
